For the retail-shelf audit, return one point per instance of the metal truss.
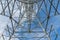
(29, 19)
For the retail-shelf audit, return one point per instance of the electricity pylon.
(29, 19)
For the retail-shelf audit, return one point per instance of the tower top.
(29, 1)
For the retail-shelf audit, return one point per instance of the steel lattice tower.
(29, 19)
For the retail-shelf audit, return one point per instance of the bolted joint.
(48, 16)
(10, 17)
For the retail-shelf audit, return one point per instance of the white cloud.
(3, 23)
